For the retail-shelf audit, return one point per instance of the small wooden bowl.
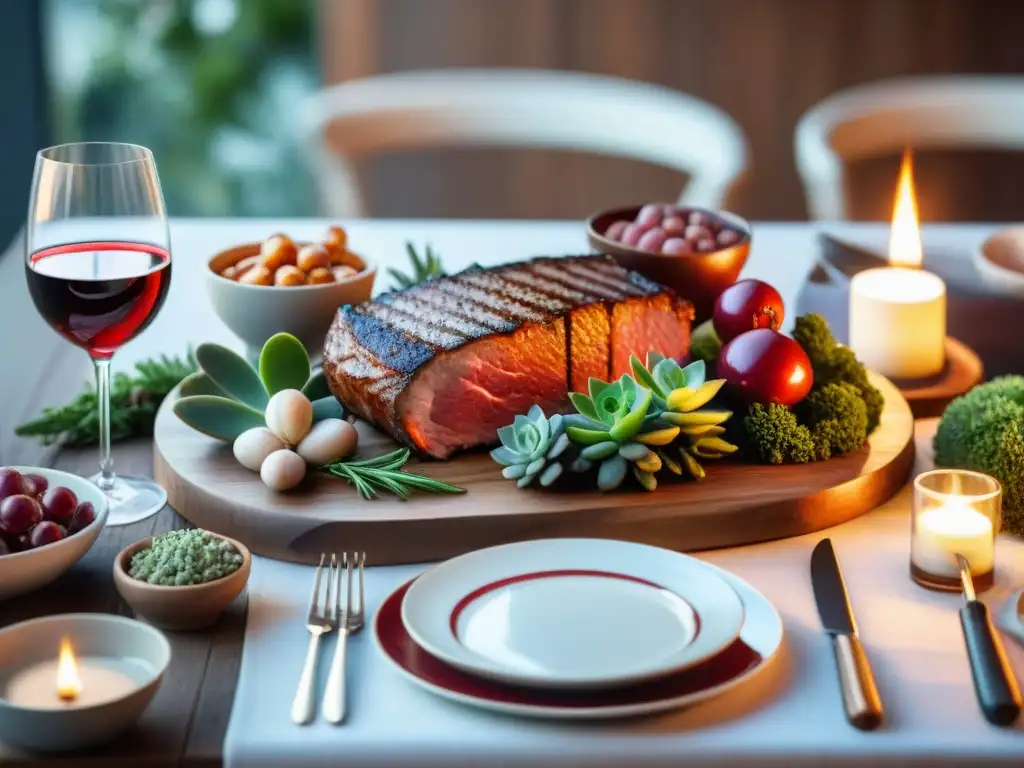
(180, 608)
(699, 277)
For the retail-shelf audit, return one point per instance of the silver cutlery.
(860, 694)
(994, 684)
(319, 622)
(349, 623)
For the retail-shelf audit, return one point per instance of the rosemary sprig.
(385, 473)
(134, 400)
(424, 268)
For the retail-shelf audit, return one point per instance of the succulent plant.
(614, 429)
(227, 395)
(532, 447)
(679, 394)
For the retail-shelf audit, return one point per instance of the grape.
(19, 513)
(84, 516)
(47, 532)
(59, 505)
(698, 219)
(11, 483)
(652, 240)
(632, 233)
(34, 484)
(650, 215)
(696, 232)
(674, 225)
(676, 246)
(728, 237)
(615, 230)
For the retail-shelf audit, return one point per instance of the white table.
(791, 715)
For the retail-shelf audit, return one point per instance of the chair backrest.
(518, 108)
(884, 117)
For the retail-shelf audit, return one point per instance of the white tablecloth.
(788, 716)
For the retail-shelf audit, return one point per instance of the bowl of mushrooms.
(280, 285)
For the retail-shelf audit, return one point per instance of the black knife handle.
(994, 683)
(861, 701)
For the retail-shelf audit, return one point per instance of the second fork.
(350, 621)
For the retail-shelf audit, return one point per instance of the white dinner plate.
(758, 644)
(572, 613)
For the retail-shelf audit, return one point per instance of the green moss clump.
(183, 558)
(984, 431)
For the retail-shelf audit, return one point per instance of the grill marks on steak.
(443, 365)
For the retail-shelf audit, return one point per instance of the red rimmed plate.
(572, 613)
(759, 642)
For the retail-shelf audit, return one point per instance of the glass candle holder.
(955, 512)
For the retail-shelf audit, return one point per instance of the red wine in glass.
(99, 295)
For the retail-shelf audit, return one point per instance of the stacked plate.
(577, 628)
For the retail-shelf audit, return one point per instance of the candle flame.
(905, 236)
(69, 684)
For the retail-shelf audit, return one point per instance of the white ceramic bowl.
(23, 572)
(138, 651)
(1000, 260)
(254, 313)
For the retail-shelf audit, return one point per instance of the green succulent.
(227, 396)
(611, 427)
(679, 395)
(531, 447)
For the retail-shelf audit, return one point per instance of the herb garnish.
(134, 400)
(426, 268)
(384, 473)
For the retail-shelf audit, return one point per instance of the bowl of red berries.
(696, 252)
(48, 520)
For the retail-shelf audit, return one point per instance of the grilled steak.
(442, 365)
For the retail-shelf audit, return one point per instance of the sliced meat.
(441, 366)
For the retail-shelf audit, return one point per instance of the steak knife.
(860, 694)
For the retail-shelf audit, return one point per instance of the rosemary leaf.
(383, 473)
(134, 400)
(425, 267)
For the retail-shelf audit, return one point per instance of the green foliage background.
(213, 97)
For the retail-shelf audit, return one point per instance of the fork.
(349, 623)
(318, 623)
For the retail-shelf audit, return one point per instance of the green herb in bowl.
(183, 558)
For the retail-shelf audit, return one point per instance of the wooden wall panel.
(763, 61)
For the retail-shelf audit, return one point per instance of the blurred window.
(209, 85)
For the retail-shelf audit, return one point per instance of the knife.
(860, 694)
(994, 684)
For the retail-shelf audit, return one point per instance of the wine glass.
(98, 265)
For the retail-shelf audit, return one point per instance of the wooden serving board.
(736, 503)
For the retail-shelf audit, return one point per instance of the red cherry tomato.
(763, 366)
(747, 305)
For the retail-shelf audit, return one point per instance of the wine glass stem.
(106, 477)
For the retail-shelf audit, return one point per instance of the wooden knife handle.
(860, 694)
(994, 683)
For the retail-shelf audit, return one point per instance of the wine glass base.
(132, 499)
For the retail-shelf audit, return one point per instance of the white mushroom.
(328, 440)
(289, 415)
(282, 470)
(254, 445)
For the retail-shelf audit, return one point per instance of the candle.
(68, 682)
(944, 532)
(898, 313)
(955, 512)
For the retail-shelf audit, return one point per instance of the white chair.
(884, 117)
(517, 108)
